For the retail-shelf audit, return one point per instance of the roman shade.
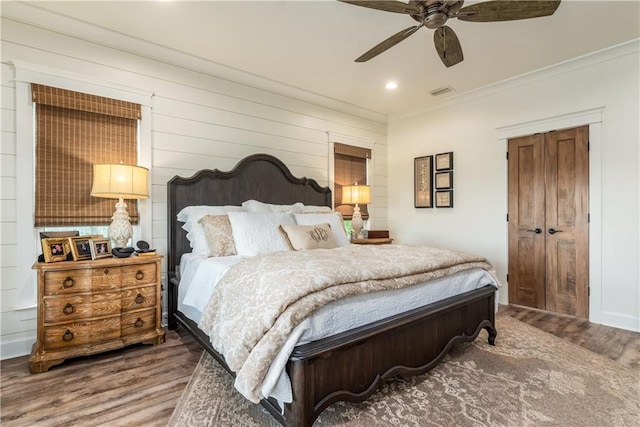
(73, 132)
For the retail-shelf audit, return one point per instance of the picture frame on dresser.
(100, 248)
(80, 247)
(423, 182)
(55, 249)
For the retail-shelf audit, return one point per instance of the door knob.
(537, 230)
(554, 231)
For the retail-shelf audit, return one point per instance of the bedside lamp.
(119, 181)
(356, 194)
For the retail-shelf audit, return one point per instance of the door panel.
(526, 214)
(567, 201)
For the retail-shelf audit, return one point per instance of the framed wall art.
(80, 247)
(444, 161)
(55, 249)
(444, 180)
(423, 183)
(444, 199)
(100, 248)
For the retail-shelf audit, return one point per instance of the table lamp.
(356, 194)
(120, 181)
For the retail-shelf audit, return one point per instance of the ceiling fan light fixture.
(442, 91)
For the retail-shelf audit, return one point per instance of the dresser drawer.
(105, 278)
(81, 332)
(142, 297)
(67, 282)
(138, 321)
(74, 307)
(144, 274)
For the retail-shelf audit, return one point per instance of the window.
(350, 167)
(74, 131)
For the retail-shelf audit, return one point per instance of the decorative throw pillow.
(258, 233)
(303, 237)
(219, 236)
(334, 219)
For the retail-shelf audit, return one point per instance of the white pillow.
(334, 219)
(259, 233)
(303, 237)
(191, 215)
(315, 209)
(256, 206)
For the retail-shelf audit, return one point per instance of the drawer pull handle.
(139, 275)
(106, 271)
(68, 336)
(138, 323)
(139, 299)
(68, 309)
(68, 282)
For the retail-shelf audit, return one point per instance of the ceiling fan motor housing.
(435, 13)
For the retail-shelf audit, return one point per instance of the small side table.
(373, 241)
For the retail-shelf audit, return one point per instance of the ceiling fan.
(433, 14)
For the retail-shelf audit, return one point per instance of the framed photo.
(56, 234)
(80, 247)
(444, 161)
(55, 249)
(444, 199)
(423, 183)
(444, 180)
(100, 248)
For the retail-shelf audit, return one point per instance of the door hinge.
(507, 217)
(507, 277)
(588, 217)
(588, 145)
(507, 155)
(589, 291)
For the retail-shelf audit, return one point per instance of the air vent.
(442, 91)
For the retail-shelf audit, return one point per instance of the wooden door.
(526, 221)
(548, 221)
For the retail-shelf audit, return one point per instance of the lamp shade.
(356, 194)
(114, 181)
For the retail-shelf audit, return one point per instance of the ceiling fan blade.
(387, 6)
(386, 44)
(447, 46)
(507, 10)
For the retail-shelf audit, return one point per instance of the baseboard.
(16, 348)
(620, 321)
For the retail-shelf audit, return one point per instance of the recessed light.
(392, 85)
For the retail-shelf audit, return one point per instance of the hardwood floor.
(140, 385)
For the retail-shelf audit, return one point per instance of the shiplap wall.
(198, 121)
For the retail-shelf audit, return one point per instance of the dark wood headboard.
(260, 177)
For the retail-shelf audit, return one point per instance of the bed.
(346, 366)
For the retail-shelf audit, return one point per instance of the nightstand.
(88, 307)
(373, 241)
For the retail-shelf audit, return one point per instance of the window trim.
(25, 74)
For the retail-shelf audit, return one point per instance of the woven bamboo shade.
(73, 132)
(350, 167)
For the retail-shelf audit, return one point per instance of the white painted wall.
(469, 126)
(198, 120)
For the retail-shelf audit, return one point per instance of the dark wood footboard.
(352, 365)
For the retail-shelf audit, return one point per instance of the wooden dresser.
(87, 307)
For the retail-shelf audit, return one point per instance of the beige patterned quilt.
(260, 300)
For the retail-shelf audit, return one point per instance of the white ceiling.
(312, 45)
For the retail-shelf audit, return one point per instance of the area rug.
(529, 378)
